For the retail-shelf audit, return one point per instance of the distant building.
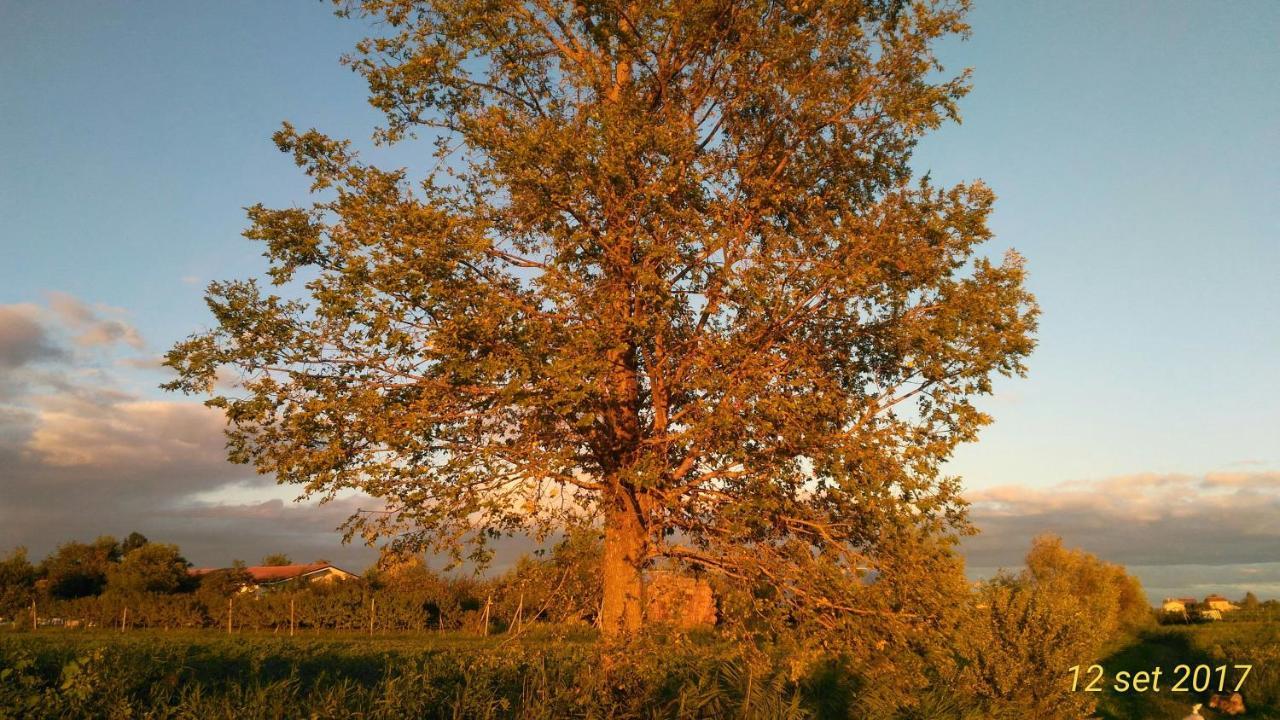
(1219, 603)
(1177, 605)
(265, 576)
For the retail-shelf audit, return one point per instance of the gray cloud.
(82, 454)
(306, 529)
(76, 465)
(1146, 521)
(219, 532)
(1161, 581)
(23, 338)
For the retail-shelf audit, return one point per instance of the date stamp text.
(1182, 678)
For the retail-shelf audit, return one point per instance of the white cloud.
(130, 433)
(94, 326)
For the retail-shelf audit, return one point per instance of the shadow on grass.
(1164, 648)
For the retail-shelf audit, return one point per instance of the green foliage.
(1016, 651)
(134, 541)
(78, 569)
(149, 568)
(203, 675)
(1255, 643)
(215, 587)
(1027, 630)
(17, 582)
(184, 674)
(437, 603)
(277, 559)
(1113, 596)
(562, 588)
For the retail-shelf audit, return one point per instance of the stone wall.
(679, 600)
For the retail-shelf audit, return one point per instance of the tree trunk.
(622, 609)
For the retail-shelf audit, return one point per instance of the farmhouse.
(1177, 605)
(1219, 603)
(1211, 609)
(265, 576)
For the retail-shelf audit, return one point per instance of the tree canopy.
(1059, 612)
(78, 569)
(132, 542)
(150, 567)
(1114, 598)
(669, 270)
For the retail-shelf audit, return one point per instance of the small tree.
(1114, 597)
(672, 275)
(134, 541)
(1018, 647)
(151, 568)
(17, 582)
(215, 587)
(277, 559)
(559, 586)
(79, 569)
(1026, 630)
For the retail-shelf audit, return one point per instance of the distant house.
(265, 576)
(1219, 603)
(1177, 605)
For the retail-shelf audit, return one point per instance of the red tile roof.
(260, 574)
(277, 573)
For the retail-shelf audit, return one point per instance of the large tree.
(668, 269)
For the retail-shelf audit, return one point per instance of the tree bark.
(622, 609)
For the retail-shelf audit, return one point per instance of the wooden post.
(372, 606)
(517, 622)
(292, 617)
(229, 600)
(34, 624)
(124, 619)
(488, 601)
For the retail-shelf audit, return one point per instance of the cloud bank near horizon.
(1219, 518)
(84, 451)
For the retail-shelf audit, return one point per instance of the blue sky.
(1135, 148)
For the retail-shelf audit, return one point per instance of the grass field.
(206, 674)
(1211, 645)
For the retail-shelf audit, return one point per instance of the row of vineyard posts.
(91, 586)
(344, 609)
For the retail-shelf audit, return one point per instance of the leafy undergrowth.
(1215, 644)
(75, 674)
(204, 674)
